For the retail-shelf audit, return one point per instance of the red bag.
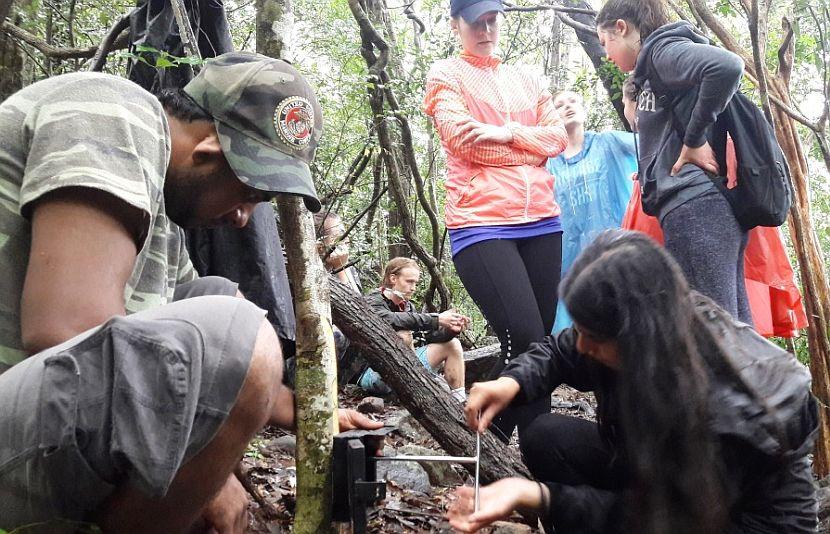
(774, 299)
(636, 219)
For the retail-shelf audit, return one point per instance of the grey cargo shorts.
(126, 402)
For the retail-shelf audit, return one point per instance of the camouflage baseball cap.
(267, 118)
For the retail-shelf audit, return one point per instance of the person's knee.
(263, 380)
(454, 347)
(538, 442)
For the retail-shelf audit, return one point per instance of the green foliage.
(254, 448)
(725, 8)
(158, 59)
(797, 346)
(608, 68)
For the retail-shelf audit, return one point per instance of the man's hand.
(352, 419)
(488, 398)
(497, 501)
(478, 132)
(453, 321)
(227, 512)
(702, 156)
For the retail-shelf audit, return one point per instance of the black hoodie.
(701, 79)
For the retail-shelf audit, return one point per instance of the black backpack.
(763, 194)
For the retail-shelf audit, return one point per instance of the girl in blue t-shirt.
(593, 183)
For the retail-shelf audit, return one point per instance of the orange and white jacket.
(492, 183)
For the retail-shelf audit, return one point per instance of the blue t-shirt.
(593, 188)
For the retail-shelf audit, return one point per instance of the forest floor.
(416, 501)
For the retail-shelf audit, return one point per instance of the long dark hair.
(625, 287)
(646, 15)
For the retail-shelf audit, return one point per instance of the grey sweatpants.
(708, 243)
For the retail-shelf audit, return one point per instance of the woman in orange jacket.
(498, 127)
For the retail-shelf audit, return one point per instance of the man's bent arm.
(83, 250)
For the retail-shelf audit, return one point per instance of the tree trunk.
(815, 287)
(11, 66)
(433, 407)
(5, 9)
(813, 279)
(553, 59)
(380, 96)
(316, 369)
(377, 12)
(316, 372)
(590, 44)
(275, 20)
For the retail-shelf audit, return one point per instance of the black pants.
(568, 450)
(514, 282)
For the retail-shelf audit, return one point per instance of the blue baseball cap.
(471, 10)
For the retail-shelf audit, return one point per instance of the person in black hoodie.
(702, 426)
(685, 84)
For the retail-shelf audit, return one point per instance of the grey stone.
(371, 405)
(393, 418)
(407, 475)
(440, 473)
(410, 428)
(286, 444)
(505, 527)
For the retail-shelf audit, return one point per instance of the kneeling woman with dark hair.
(703, 426)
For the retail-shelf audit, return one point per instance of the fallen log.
(439, 413)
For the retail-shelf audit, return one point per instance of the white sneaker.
(460, 394)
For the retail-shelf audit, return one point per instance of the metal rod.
(454, 459)
(478, 461)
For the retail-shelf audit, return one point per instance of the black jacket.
(764, 444)
(423, 325)
(702, 79)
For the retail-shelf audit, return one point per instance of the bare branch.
(56, 52)
(186, 34)
(723, 35)
(758, 36)
(678, 10)
(550, 7)
(100, 58)
(371, 206)
(785, 54)
(380, 92)
(578, 26)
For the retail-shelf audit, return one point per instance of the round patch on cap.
(294, 121)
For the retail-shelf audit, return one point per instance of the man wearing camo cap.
(129, 387)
